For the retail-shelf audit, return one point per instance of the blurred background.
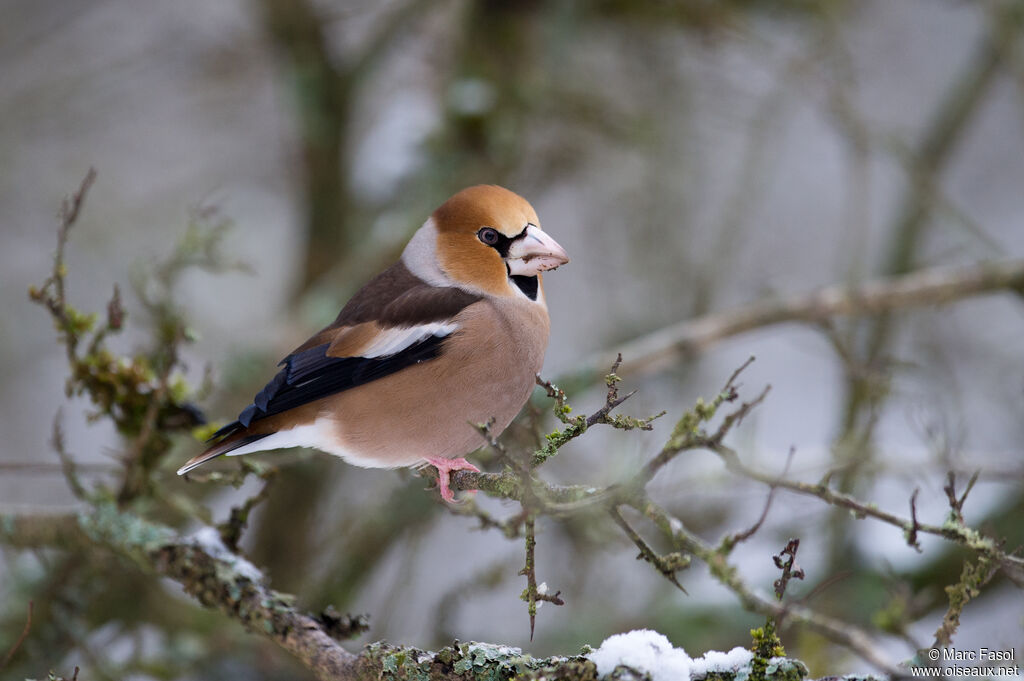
(691, 156)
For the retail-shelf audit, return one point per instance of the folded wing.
(395, 321)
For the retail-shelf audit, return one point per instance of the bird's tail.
(229, 438)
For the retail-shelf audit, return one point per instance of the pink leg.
(444, 468)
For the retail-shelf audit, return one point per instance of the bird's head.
(488, 239)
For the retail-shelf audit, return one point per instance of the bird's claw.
(444, 469)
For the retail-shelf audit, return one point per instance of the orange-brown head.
(489, 240)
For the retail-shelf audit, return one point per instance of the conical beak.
(533, 253)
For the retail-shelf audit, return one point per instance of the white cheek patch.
(420, 256)
(393, 341)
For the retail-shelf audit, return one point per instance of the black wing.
(310, 375)
(394, 299)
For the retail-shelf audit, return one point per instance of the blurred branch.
(954, 528)
(949, 123)
(39, 531)
(363, 537)
(323, 103)
(867, 386)
(687, 434)
(51, 294)
(838, 631)
(231, 529)
(990, 554)
(218, 578)
(21, 639)
(388, 32)
(325, 94)
(481, 583)
(690, 433)
(140, 394)
(67, 464)
(31, 468)
(207, 571)
(325, 89)
(933, 286)
(667, 565)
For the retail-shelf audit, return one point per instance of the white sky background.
(179, 104)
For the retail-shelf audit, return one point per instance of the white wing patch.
(394, 340)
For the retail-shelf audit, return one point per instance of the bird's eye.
(488, 236)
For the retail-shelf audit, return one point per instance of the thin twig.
(499, 449)
(576, 426)
(731, 541)
(688, 433)
(135, 463)
(914, 524)
(843, 633)
(21, 639)
(52, 294)
(956, 505)
(957, 532)
(785, 560)
(115, 321)
(231, 529)
(534, 595)
(666, 565)
(511, 527)
(67, 464)
(69, 210)
(43, 468)
(736, 418)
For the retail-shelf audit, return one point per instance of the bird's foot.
(444, 468)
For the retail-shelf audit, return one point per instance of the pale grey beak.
(534, 253)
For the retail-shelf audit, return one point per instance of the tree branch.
(219, 578)
(841, 632)
(933, 286)
(203, 566)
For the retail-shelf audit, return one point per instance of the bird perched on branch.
(451, 335)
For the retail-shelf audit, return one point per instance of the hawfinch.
(451, 335)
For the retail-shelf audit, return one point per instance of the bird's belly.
(487, 371)
(390, 425)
